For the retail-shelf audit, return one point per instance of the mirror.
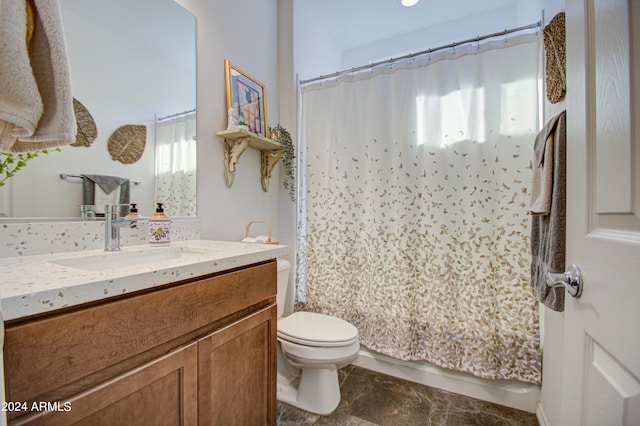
(131, 61)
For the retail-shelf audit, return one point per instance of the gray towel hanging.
(548, 230)
(108, 184)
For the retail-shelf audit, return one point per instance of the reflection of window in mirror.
(130, 61)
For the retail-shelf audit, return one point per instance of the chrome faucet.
(112, 224)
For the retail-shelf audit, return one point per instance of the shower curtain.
(413, 221)
(176, 165)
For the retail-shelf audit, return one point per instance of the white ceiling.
(359, 22)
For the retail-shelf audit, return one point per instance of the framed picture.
(247, 97)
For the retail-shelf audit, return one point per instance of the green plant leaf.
(12, 163)
(282, 136)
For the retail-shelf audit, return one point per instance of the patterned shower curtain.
(176, 165)
(414, 201)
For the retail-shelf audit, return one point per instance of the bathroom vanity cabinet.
(198, 351)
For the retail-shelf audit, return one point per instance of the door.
(601, 382)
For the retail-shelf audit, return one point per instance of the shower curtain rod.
(166, 117)
(424, 52)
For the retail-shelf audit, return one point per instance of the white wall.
(246, 33)
(461, 29)
(317, 49)
(288, 107)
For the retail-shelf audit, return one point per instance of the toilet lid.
(309, 328)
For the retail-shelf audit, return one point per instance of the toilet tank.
(283, 284)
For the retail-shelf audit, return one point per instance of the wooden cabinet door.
(237, 372)
(161, 392)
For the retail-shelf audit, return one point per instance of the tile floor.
(371, 398)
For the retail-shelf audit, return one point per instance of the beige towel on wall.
(36, 106)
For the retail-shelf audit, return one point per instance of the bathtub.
(510, 393)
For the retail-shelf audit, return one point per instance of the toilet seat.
(313, 356)
(316, 330)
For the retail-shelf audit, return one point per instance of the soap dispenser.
(159, 227)
(133, 212)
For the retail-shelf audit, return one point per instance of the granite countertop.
(42, 283)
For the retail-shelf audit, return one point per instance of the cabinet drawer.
(45, 354)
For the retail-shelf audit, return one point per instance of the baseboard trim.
(542, 419)
(518, 395)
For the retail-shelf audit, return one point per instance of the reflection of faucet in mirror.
(88, 211)
(112, 224)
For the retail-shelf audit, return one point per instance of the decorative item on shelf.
(11, 163)
(556, 58)
(236, 141)
(283, 137)
(247, 97)
(263, 239)
(87, 130)
(126, 144)
(232, 119)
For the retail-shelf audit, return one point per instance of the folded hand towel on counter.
(548, 220)
(100, 190)
(263, 239)
(36, 106)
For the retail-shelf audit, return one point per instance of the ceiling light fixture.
(409, 3)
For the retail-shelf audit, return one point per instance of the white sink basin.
(125, 258)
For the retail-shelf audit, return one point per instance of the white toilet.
(311, 348)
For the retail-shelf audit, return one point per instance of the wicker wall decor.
(87, 130)
(556, 58)
(126, 144)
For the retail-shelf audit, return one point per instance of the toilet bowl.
(311, 349)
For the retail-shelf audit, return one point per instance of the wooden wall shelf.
(236, 142)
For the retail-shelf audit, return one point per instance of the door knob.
(571, 280)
